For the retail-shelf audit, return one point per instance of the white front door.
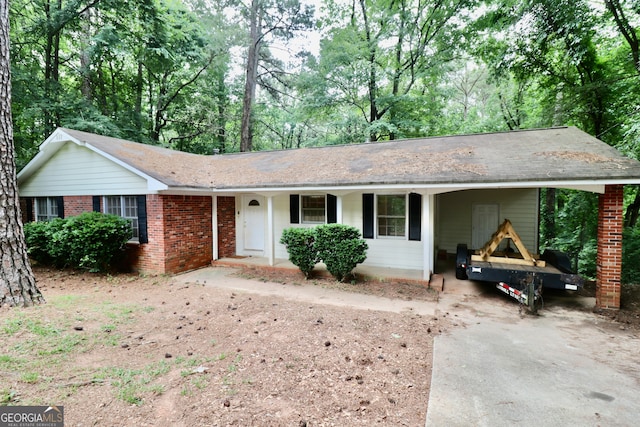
(254, 214)
(484, 223)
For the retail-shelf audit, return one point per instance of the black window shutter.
(29, 209)
(96, 203)
(143, 236)
(332, 209)
(415, 216)
(60, 202)
(294, 208)
(367, 215)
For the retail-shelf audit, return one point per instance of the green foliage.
(587, 259)
(37, 239)
(630, 256)
(300, 245)
(576, 228)
(89, 241)
(341, 248)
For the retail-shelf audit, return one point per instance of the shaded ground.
(629, 314)
(132, 350)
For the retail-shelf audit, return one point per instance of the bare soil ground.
(629, 314)
(148, 351)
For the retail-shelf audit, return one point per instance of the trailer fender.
(558, 259)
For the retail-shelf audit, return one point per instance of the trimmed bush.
(89, 241)
(300, 246)
(341, 248)
(36, 236)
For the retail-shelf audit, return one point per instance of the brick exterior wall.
(609, 258)
(180, 234)
(149, 257)
(226, 227)
(75, 205)
(179, 230)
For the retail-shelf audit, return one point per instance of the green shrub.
(36, 237)
(300, 246)
(341, 248)
(89, 241)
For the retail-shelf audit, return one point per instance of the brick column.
(609, 259)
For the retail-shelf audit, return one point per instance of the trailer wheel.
(462, 260)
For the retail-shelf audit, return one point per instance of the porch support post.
(214, 227)
(339, 209)
(609, 258)
(270, 231)
(428, 225)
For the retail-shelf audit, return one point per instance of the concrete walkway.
(565, 367)
(220, 278)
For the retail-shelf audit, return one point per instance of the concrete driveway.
(496, 367)
(564, 367)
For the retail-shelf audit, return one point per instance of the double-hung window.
(46, 208)
(392, 215)
(125, 207)
(313, 209)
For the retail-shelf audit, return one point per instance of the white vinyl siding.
(455, 213)
(393, 253)
(78, 171)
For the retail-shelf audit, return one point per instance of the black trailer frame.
(520, 281)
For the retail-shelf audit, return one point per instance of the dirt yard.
(151, 351)
(148, 351)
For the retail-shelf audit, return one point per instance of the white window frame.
(303, 209)
(377, 215)
(50, 209)
(127, 208)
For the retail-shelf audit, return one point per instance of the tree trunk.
(85, 60)
(17, 283)
(633, 211)
(373, 79)
(246, 130)
(138, 87)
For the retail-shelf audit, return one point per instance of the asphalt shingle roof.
(544, 155)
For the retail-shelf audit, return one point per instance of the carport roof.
(548, 156)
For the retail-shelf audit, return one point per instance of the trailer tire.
(462, 260)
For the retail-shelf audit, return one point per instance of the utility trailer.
(520, 274)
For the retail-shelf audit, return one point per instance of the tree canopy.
(238, 75)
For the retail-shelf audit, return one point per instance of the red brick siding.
(226, 227)
(149, 257)
(75, 205)
(609, 258)
(180, 234)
